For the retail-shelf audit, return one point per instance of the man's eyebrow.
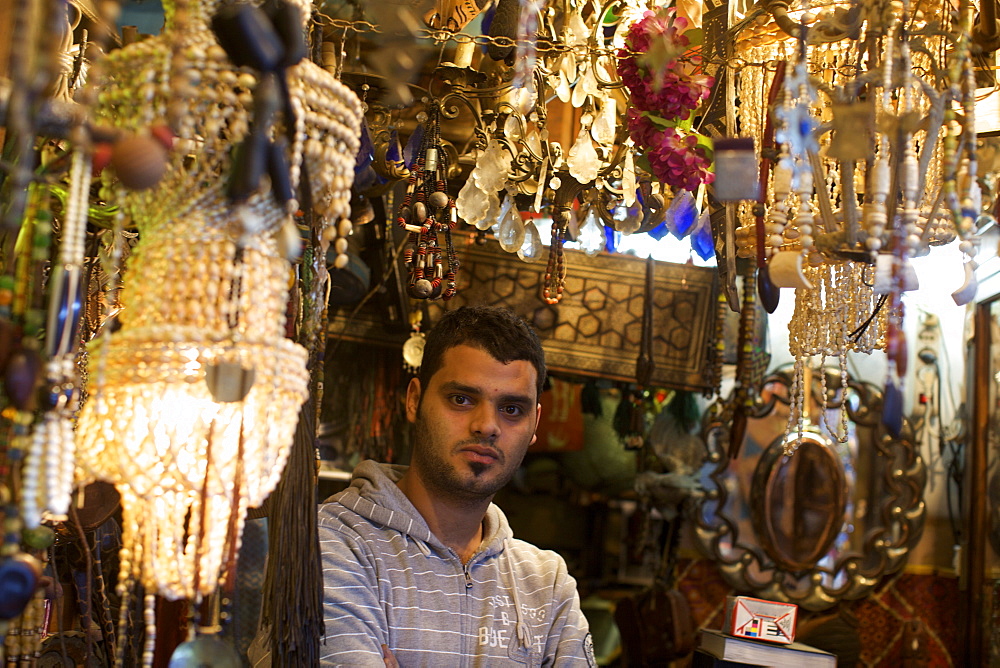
(455, 386)
(516, 399)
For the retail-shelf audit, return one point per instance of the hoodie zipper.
(468, 632)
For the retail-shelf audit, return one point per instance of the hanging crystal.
(475, 200)
(701, 238)
(511, 231)
(583, 161)
(536, 204)
(567, 66)
(531, 248)
(681, 214)
(603, 130)
(577, 32)
(492, 218)
(628, 178)
(492, 167)
(611, 239)
(525, 53)
(591, 236)
(566, 75)
(512, 128)
(533, 140)
(589, 81)
(472, 205)
(562, 88)
(628, 219)
(579, 96)
(413, 146)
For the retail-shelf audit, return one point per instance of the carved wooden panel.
(596, 329)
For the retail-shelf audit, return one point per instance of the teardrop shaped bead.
(511, 232)
(592, 235)
(531, 247)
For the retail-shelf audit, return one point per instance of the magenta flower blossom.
(675, 158)
(657, 80)
(665, 87)
(642, 130)
(679, 161)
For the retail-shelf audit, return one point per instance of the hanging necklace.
(427, 211)
(566, 190)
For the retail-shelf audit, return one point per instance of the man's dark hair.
(497, 330)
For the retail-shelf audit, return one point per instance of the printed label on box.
(761, 620)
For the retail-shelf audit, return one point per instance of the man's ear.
(413, 392)
(538, 418)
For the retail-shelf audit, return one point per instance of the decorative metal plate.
(596, 329)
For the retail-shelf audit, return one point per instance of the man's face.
(474, 422)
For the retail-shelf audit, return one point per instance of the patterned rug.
(903, 609)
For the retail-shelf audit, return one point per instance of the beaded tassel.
(777, 216)
(555, 270)
(58, 452)
(27, 446)
(149, 617)
(745, 387)
(718, 352)
(22, 644)
(796, 408)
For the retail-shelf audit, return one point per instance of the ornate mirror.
(825, 523)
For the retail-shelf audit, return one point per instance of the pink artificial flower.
(669, 89)
(679, 161)
(662, 85)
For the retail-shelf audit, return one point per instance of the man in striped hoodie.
(419, 567)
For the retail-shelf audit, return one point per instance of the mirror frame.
(762, 487)
(894, 522)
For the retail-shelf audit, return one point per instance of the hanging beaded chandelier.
(193, 402)
(867, 146)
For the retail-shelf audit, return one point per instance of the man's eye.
(460, 400)
(512, 411)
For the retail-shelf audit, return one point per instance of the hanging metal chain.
(440, 36)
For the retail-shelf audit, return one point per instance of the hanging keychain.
(413, 349)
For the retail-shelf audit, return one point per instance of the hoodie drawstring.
(523, 632)
(424, 548)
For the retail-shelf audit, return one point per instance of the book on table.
(794, 655)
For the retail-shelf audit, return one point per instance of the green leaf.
(659, 121)
(696, 36)
(706, 142)
(642, 162)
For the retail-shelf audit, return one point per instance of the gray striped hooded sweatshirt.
(388, 579)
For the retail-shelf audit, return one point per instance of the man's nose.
(485, 424)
